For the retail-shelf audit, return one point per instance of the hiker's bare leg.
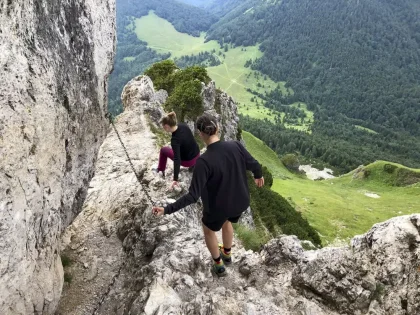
(211, 242)
(227, 234)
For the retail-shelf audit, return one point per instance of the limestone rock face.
(54, 62)
(209, 95)
(139, 92)
(223, 108)
(126, 261)
(229, 114)
(378, 273)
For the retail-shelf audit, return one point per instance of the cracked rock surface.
(54, 62)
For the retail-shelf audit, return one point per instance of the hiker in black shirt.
(220, 180)
(184, 151)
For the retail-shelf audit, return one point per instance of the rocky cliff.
(54, 62)
(123, 260)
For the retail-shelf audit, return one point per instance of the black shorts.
(215, 224)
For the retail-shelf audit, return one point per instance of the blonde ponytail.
(169, 119)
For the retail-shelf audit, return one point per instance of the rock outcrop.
(55, 60)
(126, 261)
(223, 107)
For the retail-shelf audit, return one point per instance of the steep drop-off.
(126, 261)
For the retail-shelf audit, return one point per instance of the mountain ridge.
(136, 263)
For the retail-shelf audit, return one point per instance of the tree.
(161, 75)
(186, 100)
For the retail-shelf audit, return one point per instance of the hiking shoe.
(227, 259)
(219, 269)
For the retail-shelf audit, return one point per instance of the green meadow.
(231, 75)
(263, 154)
(161, 35)
(346, 206)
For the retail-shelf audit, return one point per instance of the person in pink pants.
(184, 150)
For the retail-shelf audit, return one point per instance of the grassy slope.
(262, 153)
(231, 76)
(339, 208)
(163, 37)
(234, 78)
(365, 129)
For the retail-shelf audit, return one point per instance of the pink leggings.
(167, 152)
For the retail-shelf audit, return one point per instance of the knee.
(164, 150)
(227, 225)
(207, 231)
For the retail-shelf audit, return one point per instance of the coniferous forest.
(355, 64)
(361, 59)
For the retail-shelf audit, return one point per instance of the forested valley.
(355, 65)
(185, 18)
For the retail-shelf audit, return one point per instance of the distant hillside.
(197, 3)
(217, 7)
(222, 7)
(185, 18)
(392, 174)
(354, 63)
(357, 58)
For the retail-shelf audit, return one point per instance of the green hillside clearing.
(163, 37)
(262, 153)
(349, 205)
(306, 124)
(128, 59)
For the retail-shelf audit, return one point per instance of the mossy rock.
(406, 177)
(389, 168)
(291, 161)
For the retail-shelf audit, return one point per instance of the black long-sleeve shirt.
(220, 179)
(184, 146)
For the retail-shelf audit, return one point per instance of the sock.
(226, 250)
(217, 260)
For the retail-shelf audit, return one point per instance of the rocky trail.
(126, 261)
